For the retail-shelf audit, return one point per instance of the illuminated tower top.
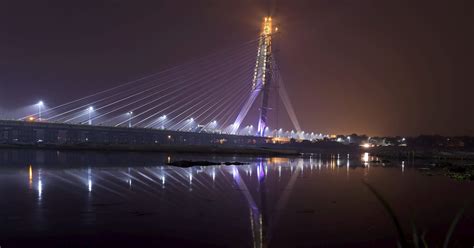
(264, 53)
(267, 26)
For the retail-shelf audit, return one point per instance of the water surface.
(92, 199)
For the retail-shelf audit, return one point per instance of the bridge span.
(60, 136)
(23, 134)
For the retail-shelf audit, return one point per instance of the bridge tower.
(262, 75)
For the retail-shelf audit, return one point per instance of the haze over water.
(82, 199)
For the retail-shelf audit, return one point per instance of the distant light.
(365, 145)
(31, 118)
(40, 103)
(91, 108)
(164, 116)
(192, 119)
(130, 113)
(276, 29)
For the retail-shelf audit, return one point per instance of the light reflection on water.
(270, 201)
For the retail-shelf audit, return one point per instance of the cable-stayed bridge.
(222, 96)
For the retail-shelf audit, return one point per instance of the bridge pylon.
(262, 75)
(261, 81)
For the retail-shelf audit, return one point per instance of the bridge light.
(130, 119)
(90, 109)
(40, 104)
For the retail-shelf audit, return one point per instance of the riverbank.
(421, 153)
(456, 164)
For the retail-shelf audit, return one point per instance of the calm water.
(86, 199)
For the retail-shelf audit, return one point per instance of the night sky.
(374, 67)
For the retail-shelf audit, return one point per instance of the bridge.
(212, 100)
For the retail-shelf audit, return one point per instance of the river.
(94, 199)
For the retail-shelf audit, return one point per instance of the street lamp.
(40, 104)
(130, 118)
(89, 110)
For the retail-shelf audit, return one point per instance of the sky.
(367, 66)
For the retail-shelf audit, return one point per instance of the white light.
(365, 157)
(40, 103)
(40, 188)
(164, 116)
(90, 109)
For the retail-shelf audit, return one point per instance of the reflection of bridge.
(213, 96)
(255, 182)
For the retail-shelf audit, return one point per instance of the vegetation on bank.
(417, 239)
(460, 172)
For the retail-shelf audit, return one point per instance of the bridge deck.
(73, 136)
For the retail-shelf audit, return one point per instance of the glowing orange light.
(366, 145)
(281, 140)
(267, 26)
(31, 118)
(30, 176)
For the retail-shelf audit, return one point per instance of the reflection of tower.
(262, 75)
(263, 206)
(261, 220)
